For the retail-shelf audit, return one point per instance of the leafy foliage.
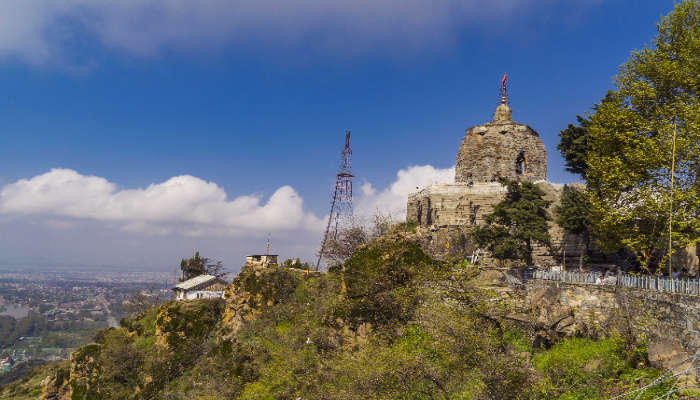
(580, 368)
(573, 214)
(383, 281)
(574, 146)
(295, 263)
(197, 265)
(631, 144)
(406, 327)
(516, 223)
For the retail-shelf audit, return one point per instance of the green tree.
(574, 145)
(573, 214)
(632, 144)
(191, 267)
(516, 223)
(197, 265)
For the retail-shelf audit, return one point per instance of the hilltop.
(402, 325)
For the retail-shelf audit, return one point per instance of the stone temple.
(446, 212)
(501, 148)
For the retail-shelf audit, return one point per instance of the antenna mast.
(341, 206)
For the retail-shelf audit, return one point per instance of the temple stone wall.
(446, 213)
(501, 148)
(454, 204)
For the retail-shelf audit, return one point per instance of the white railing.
(651, 282)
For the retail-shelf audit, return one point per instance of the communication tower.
(341, 214)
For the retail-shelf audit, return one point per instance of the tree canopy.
(574, 145)
(198, 265)
(631, 138)
(516, 223)
(573, 214)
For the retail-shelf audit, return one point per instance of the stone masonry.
(669, 322)
(501, 148)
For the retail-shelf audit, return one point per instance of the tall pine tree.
(517, 223)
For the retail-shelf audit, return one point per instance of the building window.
(521, 164)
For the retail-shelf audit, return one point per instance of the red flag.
(503, 81)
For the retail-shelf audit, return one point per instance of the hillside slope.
(404, 327)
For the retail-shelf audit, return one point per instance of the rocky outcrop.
(57, 386)
(76, 382)
(667, 322)
(254, 289)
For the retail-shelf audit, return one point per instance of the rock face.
(501, 148)
(56, 387)
(254, 289)
(667, 321)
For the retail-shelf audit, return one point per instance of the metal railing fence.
(651, 282)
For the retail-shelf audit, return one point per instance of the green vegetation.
(516, 223)
(574, 146)
(651, 119)
(295, 263)
(573, 214)
(391, 323)
(580, 368)
(11, 329)
(29, 387)
(197, 265)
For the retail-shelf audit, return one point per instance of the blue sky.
(252, 97)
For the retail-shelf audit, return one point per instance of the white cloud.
(191, 206)
(392, 200)
(39, 31)
(182, 201)
(64, 216)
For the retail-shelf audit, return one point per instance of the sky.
(134, 133)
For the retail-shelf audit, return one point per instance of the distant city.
(45, 313)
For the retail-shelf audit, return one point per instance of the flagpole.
(670, 205)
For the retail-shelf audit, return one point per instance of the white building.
(261, 260)
(200, 287)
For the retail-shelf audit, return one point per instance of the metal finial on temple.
(503, 91)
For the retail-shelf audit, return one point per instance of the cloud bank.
(40, 31)
(191, 206)
(391, 201)
(65, 216)
(182, 202)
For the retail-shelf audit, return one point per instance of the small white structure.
(261, 260)
(200, 287)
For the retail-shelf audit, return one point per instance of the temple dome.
(503, 113)
(501, 148)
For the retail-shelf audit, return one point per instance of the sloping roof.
(194, 282)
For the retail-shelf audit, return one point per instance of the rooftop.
(194, 282)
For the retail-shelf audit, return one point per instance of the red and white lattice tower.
(341, 215)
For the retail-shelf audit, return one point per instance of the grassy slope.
(29, 387)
